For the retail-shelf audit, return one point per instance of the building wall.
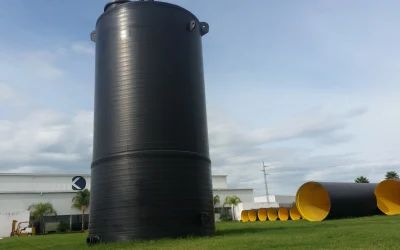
(219, 181)
(285, 200)
(63, 183)
(38, 183)
(258, 199)
(282, 200)
(245, 195)
(19, 191)
(62, 202)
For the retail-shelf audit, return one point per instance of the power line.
(265, 181)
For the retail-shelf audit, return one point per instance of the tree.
(81, 202)
(361, 179)
(216, 200)
(39, 210)
(391, 175)
(233, 201)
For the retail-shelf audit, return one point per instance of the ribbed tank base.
(151, 196)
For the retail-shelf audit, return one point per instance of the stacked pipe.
(271, 214)
(317, 201)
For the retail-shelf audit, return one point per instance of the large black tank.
(151, 170)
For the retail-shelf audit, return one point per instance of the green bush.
(63, 227)
(224, 217)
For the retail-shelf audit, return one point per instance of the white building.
(19, 191)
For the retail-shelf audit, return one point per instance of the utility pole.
(265, 181)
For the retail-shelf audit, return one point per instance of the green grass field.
(378, 232)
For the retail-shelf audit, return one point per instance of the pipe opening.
(294, 213)
(89, 240)
(283, 214)
(262, 214)
(272, 214)
(313, 201)
(387, 195)
(252, 215)
(244, 216)
(96, 239)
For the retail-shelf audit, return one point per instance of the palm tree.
(361, 179)
(233, 201)
(216, 200)
(39, 210)
(81, 202)
(391, 175)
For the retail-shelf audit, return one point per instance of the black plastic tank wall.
(151, 169)
(317, 201)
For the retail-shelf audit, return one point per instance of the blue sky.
(310, 87)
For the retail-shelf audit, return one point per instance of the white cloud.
(6, 92)
(345, 136)
(42, 64)
(46, 138)
(83, 48)
(36, 66)
(33, 169)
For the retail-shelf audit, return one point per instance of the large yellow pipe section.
(272, 214)
(252, 215)
(313, 202)
(387, 195)
(294, 213)
(244, 216)
(283, 213)
(262, 214)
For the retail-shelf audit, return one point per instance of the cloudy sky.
(309, 87)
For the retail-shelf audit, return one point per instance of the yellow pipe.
(283, 214)
(294, 213)
(252, 215)
(272, 214)
(262, 214)
(244, 216)
(387, 194)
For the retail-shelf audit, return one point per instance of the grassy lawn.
(378, 232)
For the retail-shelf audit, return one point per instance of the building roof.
(285, 198)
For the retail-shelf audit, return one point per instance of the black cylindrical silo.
(151, 170)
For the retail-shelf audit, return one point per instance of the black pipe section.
(151, 169)
(317, 201)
